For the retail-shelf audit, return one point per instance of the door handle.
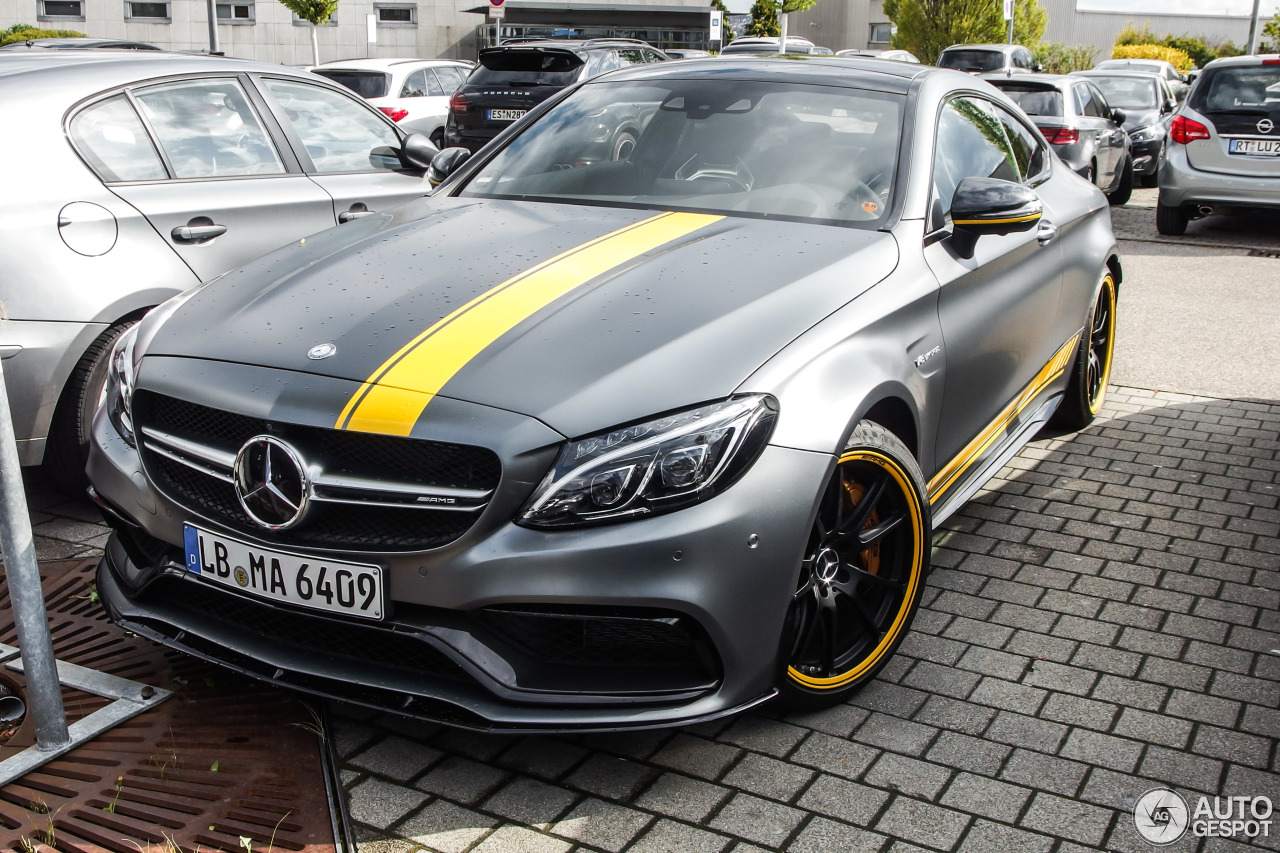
(196, 232)
(356, 211)
(1045, 232)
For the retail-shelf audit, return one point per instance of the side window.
(653, 56)
(208, 130)
(1022, 59)
(1095, 94)
(415, 85)
(1086, 103)
(434, 89)
(970, 142)
(630, 56)
(1028, 152)
(111, 137)
(451, 78)
(339, 133)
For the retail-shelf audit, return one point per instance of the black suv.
(515, 77)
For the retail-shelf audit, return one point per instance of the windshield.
(752, 149)
(516, 68)
(1249, 89)
(1034, 100)
(366, 84)
(1129, 93)
(972, 60)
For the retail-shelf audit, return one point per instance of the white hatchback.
(414, 93)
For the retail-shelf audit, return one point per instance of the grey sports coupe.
(593, 443)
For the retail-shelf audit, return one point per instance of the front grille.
(366, 518)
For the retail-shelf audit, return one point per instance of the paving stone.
(529, 801)
(988, 837)
(916, 778)
(610, 777)
(1259, 691)
(601, 824)
(1086, 630)
(994, 663)
(1135, 694)
(895, 734)
(1105, 750)
(1236, 747)
(923, 823)
(762, 734)
(681, 797)
(667, 836)
(889, 699)
(1151, 642)
(1075, 711)
(839, 721)
(397, 758)
(968, 753)
(954, 715)
(1119, 791)
(1027, 618)
(461, 779)
(1193, 771)
(1107, 660)
(1044, 646)
(986, 797)
(946, 680)
(843, 800)
(824, 836)
(1065, 679)
(1036, 770)
(757, 820)
(696, 756)
(380, 803)
(445, 827)
(546, 758)
(517, 839)
(350, 736)
(1204, 708)
(1028, 732)
(1005, 694)
(1175, 674)
(1066, 818)
(768, 777)
(833, 755)
(1153, 728)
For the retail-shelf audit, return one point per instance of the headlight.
(653, 467)
(120, 376)
(1145, 134)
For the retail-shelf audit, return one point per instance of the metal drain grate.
(225, 757)
(1264, 253)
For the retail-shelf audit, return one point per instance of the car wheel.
(860, 579)
(1124, 189)
(437, 139)
(1092, 367)
(68, 447)
(1089, 172)
(1171, 221)
(623, 144)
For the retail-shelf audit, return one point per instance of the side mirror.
(1038, 68)
(446, 163)
(984, 206)
(418, 151)
(1118, 116)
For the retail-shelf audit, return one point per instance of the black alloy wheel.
(1092, 368)
(861, 576)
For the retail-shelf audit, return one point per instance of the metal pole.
(213, 27)
(1013, 9)
(1253, 28)
(44, 693)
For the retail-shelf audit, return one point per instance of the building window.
(396, 14)
(881, 33)
(60, 10)
(146, 11)
(332, 22)
(236, 13)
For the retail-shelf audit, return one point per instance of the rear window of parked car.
(366, 84)
(972, 60)
(1244, 89)
(517, 68)
(1035, 100)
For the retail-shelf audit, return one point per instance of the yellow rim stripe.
(1109, 285)
(995, 221)
(393, 398)
(948, 476)
(917, 570)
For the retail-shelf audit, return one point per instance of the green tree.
(1059, 58)
(927, 27)
(767, 15)
(1270, 41)
(26, 32)
(316, 13)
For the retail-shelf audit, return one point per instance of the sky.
(1137, 7)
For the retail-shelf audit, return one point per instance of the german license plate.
(1265, 147)
(505, 115)
(313, 582)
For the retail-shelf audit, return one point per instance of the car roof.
(1000, 48)
(1049, 80)
(79, 73)
(884, 75)
(570, 44)
(1251, 59)
(1108, 64)
(79, 43)
(384, 64)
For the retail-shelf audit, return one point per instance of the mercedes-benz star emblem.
(1266, 125)
(271, 482)
(320, 351)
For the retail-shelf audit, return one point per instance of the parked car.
(1148, 105)
(1084, 130)
(1224, 151)
(989, 59)
(77, 43)
(156, 172)
(686, 53)
(515, 77)
(588, 446)
(1177, 81)
(766, 46)
(414, 93)
(897, 55)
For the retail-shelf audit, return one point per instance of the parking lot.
(1102, 620)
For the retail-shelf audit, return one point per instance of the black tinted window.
(1130, 93)
(972, 60)
(1034, 100)
(970, 143)
(526, 68)
(366, 84)
(1028, 152)
(1253, 88)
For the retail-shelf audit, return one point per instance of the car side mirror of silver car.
(418, 151)
(446, 163)
(983, 206)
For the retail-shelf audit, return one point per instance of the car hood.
(1134, 119)
(581, 317)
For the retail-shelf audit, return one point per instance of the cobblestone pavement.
(1254, 231)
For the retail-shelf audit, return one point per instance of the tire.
(1171, 221)
(67, 451)
(1091, 369)
(860, 580)
(623, 144)
(1124, 190)
(437, 138)
(1089, 172)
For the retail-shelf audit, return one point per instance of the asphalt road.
(1200, 315)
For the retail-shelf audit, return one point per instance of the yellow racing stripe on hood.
(391, 400)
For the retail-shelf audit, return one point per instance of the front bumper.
(719, 574)
(1182, 185)
(1146, 156)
